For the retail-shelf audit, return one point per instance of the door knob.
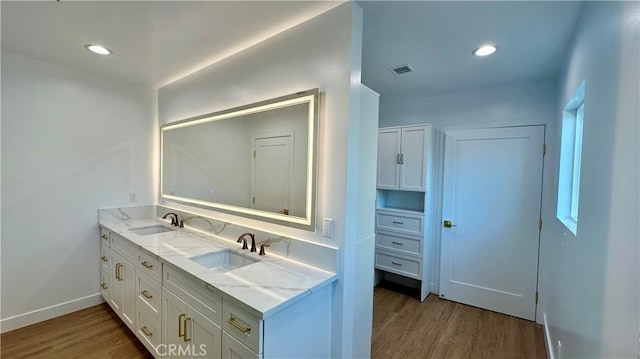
(448, 224)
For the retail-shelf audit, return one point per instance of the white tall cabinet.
(404, 205)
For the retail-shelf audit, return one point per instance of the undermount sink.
(144, 231)
(223, 261)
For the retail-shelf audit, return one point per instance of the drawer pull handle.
(232, 321)
(118, 274)
(104, 286)
(180, 330)
(146, 331)
(146, 294)
(398, 222)
(104, 258)
(147, 264)
(398, 264)
(104, 236)
(185, 330)
(398, 243)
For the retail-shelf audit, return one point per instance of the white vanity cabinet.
(402, 154)
(175, 314)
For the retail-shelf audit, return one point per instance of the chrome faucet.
(174, 219)
(253, 241)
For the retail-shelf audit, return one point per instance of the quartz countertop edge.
(265, 287)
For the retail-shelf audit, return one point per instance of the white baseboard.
(547, 338)
(40, 315)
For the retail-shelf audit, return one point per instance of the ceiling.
(436, 38)
(156, 43)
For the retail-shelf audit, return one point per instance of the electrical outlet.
(133, 197)
(327, 227)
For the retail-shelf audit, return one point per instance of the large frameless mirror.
(257, 161)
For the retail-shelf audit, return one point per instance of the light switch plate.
(133, 197)
(327, 227)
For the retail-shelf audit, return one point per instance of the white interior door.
(492, 195)
(272, 173)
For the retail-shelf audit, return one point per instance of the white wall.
(589, 283)
(71, 142)
(521, 103)
(527, 102)
(323, 52)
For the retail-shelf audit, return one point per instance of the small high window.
(570, 160)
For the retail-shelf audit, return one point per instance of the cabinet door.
(204, 335)
(116, 291)
(233, 349)
(388, 158)
(174, 313)
(413, 158)
(123, 289)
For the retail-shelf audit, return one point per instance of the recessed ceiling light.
(485, 50)
(98, 49)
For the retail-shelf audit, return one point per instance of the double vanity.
(189, 292)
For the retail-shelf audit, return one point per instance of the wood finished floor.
(405, 328)
(402, 328)
(95, 332)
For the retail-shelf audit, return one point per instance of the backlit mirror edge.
(306, 223)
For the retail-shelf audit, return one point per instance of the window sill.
(570, 224)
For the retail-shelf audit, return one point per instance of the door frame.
(266, 135)
(439, 188)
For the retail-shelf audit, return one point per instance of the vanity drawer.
(149, 293)
(149, 329)
(400, 222)
(400, 265)
(105, 234)
(195, 292)
(150, 265)
(242, 326)
(104, 256)
(399, 243)
(104, 283)
(125, 248)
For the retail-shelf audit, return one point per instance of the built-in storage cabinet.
(405, 204)
(402, 153)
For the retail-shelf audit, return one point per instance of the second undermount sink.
(223, 261)
(145, 231)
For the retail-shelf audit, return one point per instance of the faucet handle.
(262, 249)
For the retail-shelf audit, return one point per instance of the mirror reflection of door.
(272, 171)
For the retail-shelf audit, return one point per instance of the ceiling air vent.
(399, 70)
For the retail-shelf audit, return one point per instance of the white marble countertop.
(266, 287)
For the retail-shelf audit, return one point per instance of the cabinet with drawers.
(405, 202)
(175, 314)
